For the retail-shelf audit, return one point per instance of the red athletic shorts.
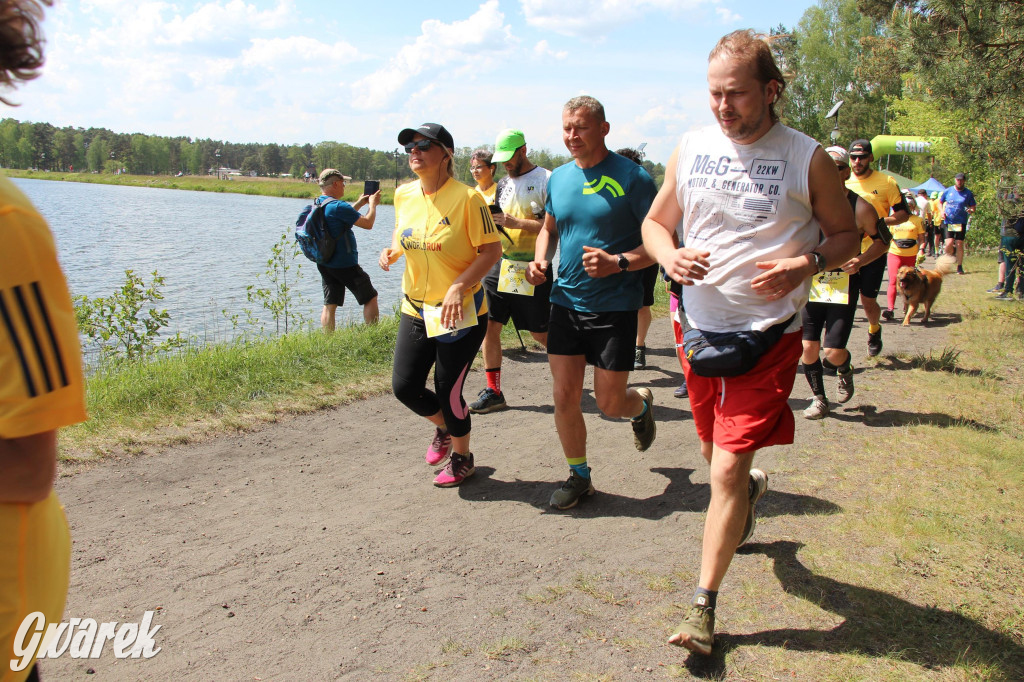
(749, 412)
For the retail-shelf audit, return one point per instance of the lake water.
(207, 246)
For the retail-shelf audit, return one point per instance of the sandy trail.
(317, 548)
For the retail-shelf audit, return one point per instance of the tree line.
(42, 146)
(27, 145)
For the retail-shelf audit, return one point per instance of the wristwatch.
(819, 262)
(623, 263)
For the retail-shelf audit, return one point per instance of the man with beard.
(884, 194)
(747, 199)
(521, 195)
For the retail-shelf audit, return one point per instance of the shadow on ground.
(928, 364)
(869, 415)
(680, 494)
(875, 624)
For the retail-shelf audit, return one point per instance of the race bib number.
(954, 227)
(432, 318)
(512, 278)
(830, 287)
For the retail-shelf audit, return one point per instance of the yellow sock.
(874, 328)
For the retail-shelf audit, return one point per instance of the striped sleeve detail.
(51, 337)
(485, 216)
(26, 320)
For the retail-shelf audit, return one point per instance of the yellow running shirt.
(439, 235)
(487, 194)
(880, 191)
(41, 389)
(906, 231)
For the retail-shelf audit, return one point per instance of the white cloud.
(214, 21)
(591, 18)
(542, 50)
(727, 16)
(297, 52)
(439, 48)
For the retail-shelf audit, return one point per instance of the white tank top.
(744, 204)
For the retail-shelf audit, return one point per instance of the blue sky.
(297, 71)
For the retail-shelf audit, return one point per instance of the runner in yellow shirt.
(907, 240)
(41, 384)
(483, 169)
(444, 230)
(884, 194)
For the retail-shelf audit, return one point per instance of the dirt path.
(317, 548)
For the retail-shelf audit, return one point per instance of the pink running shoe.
(460, 467)
(440, 448)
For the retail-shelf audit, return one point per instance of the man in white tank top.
(748, 197)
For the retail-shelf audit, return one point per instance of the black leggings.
(415, 354)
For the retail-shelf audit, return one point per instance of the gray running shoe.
(874, 343)
(887, 315)
(489, 400)
(844, 390)
(758, 487)
(640, 357)
(644, 428)
(818, 409)
(697, 631)
(575, 487)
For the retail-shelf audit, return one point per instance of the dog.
(918, 287)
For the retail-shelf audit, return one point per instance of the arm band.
(884, 235)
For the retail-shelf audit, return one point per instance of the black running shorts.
(606, 340)
(336, 280)
(649, 277)
(529, 313)
(836, 320)
(871, 277)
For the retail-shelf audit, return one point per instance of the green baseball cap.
(509, 140)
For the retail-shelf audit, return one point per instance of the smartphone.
(495, 209)
(371, 187)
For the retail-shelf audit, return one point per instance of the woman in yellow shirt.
(444, 230)
(483, 170)
(907, 239)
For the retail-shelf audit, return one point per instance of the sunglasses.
(858, 157)
(422, 145)
(841, 166)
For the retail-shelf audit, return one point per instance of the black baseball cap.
(431, 131)
(860, 147)
(959, 176)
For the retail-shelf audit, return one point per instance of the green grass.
(218, 387)
(932, 519)
(506, 646)
(272, 187)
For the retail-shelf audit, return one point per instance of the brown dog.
(918, 286)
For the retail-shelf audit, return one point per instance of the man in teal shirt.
(594, 210)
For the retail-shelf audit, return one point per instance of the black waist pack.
(729, 354)
(905, 243)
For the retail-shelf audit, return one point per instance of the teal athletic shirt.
(603, 207)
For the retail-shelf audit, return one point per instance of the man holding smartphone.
(342, 271)
(520, 196)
